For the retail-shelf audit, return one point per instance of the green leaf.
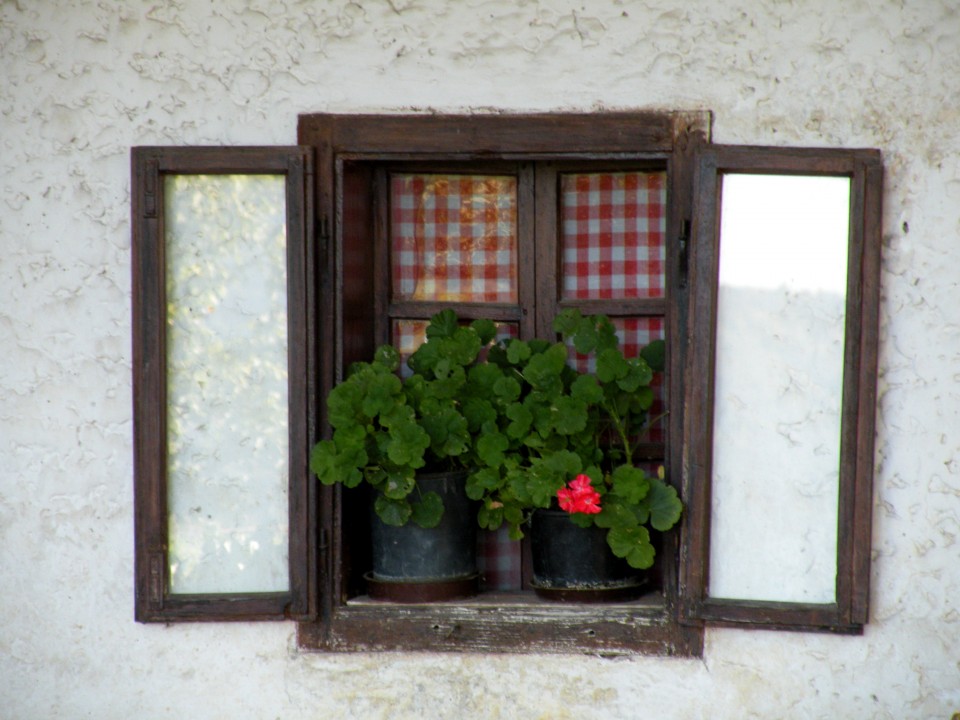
(665, 506)
(585, 336)
(638, 375)
(544, 370)
(520, 420)
(397, 415)
(571, 416)
(564, 464)
(447, 429)
(655, 354)
(398, 484)
(643, 399)
(630, 484)
(606, 334)
(382, 393)
(344, 403)
(566, 321)
(586, 389)
(481, 379)
(461, 348)
(632, 544)
(392, 512)
(429, 511)
(542, 411)
(614, 514)
(491, 447)
(517, 351)
(443, 324)
(407, 443)
(323, 461)
(450, 378)
(481, 482)
(424, 360)
(507, 389)
(332, 465)
(387, 356)
(486, 330)
(478, 413)
(611, 365)
(490, 518)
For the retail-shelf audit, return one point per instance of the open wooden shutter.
(222, 382)
(781, 388)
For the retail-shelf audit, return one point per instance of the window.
(534, 188)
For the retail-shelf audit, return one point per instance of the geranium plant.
(388, 428)
(561, 436)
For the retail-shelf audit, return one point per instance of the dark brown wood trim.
(867, 386)
(148, 166)
(864, 169)
(487, 136)
(778, 616)
(422, 310)
(547, 244)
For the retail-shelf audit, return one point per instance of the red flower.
(579, 496)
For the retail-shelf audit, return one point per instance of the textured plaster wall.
(82, 81)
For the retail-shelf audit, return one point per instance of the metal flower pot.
(415, 564)
(575, 564)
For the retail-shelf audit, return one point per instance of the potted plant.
(411, 441)
(565, 439)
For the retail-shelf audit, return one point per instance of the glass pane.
(778, 391)
(227, 433)
(613, 234)
(454, 238)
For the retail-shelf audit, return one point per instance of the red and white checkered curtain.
(613, 227)
(454, 239)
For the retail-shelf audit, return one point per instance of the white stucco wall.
(82, 81)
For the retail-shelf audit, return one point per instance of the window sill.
(504, 623)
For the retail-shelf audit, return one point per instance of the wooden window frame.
(153, 600)
(493, 622)
(850, 610)
(330, 315)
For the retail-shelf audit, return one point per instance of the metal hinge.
(155, 581)
(323, 230)
(684, 242)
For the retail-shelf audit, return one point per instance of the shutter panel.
(223, 360)
(784, 281)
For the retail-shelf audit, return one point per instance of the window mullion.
(546, 246)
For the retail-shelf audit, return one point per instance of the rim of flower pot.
(619, 593)
(422, 591)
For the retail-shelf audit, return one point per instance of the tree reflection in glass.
(227, 433)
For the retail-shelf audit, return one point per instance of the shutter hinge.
(323, 230)
(155, 581)
(151, 178)
(684, 242)
(323, 540)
